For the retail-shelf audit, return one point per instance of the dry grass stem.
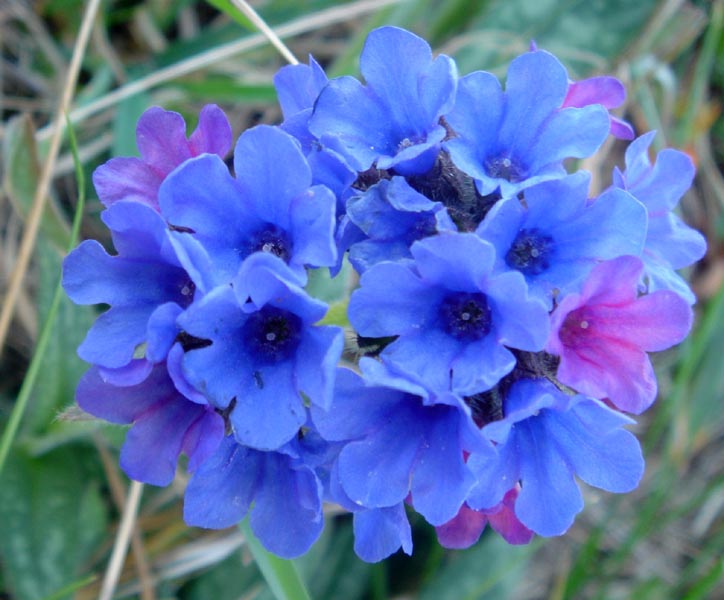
(261, 25)
(118, 493)
(120, 546)
(41, 193)
(323, 18)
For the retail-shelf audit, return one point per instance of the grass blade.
(281, 575)
(29, 382)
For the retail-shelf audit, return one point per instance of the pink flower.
(161, 140)
(602, 335)
(464, 530)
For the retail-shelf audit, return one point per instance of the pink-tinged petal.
(602, 336)
(607, 91)
(625, 271)
(127, 178)
(504, 521)
(621, 129)
(606, 368)
(213, 133)
(463, 530)
(656, 321)
(161, 140)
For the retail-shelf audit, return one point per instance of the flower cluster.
(498, 336)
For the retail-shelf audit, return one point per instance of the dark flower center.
(272, 334)
(504, 168)
(576, 329)
(187, 289)
(273, 240)
(465, 316)
(530, 253)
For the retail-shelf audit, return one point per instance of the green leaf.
(21, 166)
(21, 403)
(225, 581)
(331, 566)
(226, 7)
(583, 34)
(490, 569)
(61, 368)
(226, 89)
(51, 516)
(337, 314)
(124, 124)
(330, 289)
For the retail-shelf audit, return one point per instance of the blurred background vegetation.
(61, 492)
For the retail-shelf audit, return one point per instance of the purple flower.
(556, 236)
(271, 207)
(280, 492)
(393, 216)
(393, 121)
(670, 243)
(607, 91)
(261, 356)
(516, 138)
(161, 140)
(401, 442)
(144, 284)
(165, 423)
(546, 439)
(602, 335)
(455, 317)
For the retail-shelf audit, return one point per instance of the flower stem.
(280, 574)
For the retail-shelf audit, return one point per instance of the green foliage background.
(60, 499)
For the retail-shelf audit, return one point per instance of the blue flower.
(400, 442)
(545, 440)
(298, 87)
(670, 243)
(555, 236)
(455, 317)
(281, 493)
(271, 206)
(165, 423)
(262, 355)
(516, 138)
(380, 532)
(394, 121)
(393, 216)
(145, 285)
